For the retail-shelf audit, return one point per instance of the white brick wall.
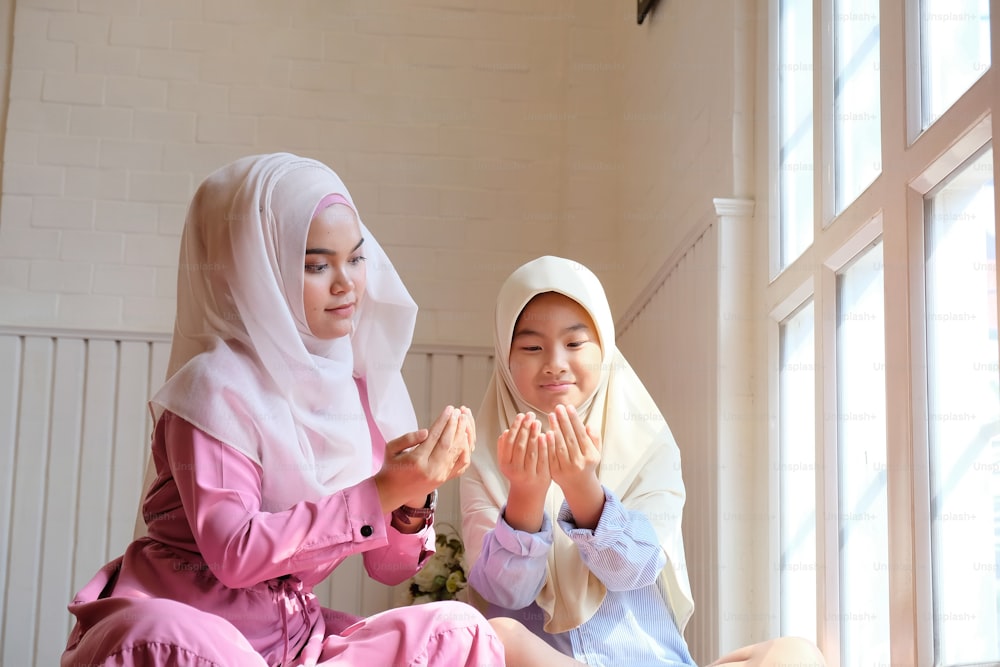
(439, 119)
(473, 137)
(68, 151)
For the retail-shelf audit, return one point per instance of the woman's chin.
(336, 331)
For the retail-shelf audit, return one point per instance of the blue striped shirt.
(633, 626)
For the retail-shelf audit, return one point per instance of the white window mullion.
(896, 25)
(827, 493)
(900, 468)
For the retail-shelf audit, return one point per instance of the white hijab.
(640, 461)
(244, 367)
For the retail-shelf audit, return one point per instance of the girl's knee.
(798, 651)
(508, 630)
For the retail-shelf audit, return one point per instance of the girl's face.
(555, 353)
(334, 280)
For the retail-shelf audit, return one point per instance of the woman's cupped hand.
(418, 462)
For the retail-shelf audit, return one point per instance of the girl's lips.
(557, 386)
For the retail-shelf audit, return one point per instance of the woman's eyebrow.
(324, 251)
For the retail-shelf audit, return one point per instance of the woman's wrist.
(407, 512)
(415, 502)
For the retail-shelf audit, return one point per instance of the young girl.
(609, 586)
(270, 448)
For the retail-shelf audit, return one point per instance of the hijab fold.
(640, 461)
(244, 366)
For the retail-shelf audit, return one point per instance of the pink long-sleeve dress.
(217, 581)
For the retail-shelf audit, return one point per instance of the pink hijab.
(244, 366)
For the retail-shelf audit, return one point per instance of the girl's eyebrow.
(324, 251)
(579, 326)
(525, 332)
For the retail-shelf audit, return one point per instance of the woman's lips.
(344, 311)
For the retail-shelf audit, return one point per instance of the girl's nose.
(555, 361)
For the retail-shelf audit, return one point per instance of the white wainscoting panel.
(74, 440)
(689, 338)
(666, 342)
(75, 431)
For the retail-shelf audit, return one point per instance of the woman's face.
(555, 353)
(334, 279)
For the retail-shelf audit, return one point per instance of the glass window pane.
(795, 92)
(797, 474)
(857, 109)
(861, 446)
(964, 416)
(954, 51)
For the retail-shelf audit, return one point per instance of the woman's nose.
(341, 283)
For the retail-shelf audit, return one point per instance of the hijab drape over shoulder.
(244, 366)
(640, 461)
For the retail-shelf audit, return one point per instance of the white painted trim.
(160, 337)
(740, 480)
(457, 350)
(86, 334)
(734, 208)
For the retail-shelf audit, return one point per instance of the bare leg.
(525, 649)
(779, 652)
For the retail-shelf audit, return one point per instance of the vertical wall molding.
(742, 464)
(667, 338)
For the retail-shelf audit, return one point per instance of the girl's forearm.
(586, 502)
(525, 508)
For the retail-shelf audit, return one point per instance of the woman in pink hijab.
(285, 441)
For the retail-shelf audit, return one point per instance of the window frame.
(891, 209)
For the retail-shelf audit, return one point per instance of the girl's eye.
(316, 268)
(531, 348)
(357, 260)
(576, 343)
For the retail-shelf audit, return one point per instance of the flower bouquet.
(443, 575)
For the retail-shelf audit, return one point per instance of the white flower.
(433, 575)
(443, 575)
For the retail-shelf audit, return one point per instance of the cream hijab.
(640, 459)
(244, 367)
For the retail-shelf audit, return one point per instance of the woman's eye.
(357, 260)
(576, 343)
(315, 268)
(531, 348)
